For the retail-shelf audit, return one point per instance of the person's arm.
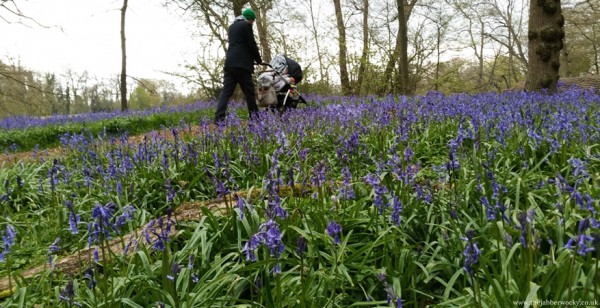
(253, 46)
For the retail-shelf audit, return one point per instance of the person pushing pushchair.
(277, 87)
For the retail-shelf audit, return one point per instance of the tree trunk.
(360, 80)
(345, 80)
(545, 43)
(123, 87)
(315, 34)
(403, 42)
(262, 28)
(400, 51)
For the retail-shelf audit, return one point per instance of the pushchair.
(277, 86)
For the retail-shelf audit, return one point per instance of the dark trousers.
(231, 77)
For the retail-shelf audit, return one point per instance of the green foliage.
(144, 96)
(427, 192)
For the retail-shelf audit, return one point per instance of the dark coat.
(243, 50)
(294, 69)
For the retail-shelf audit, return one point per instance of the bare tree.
(441, 18)
(10, 13)
(582, 38)
(313, 20)
(508, 31)
(364, 58)
(123, 86)
(545, 43)
(343, 49)
(400, 53)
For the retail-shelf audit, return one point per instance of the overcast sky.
(85, 35)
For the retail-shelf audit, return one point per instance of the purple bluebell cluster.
(269, 235)
(53, 249)
(379, 191)
(334, 230)
(157, 232)
(74, 218)
(584, 241)
(527, 228)
(471, 252)
(101, 225)
(8, 240)
(67, 295)
(389, 290)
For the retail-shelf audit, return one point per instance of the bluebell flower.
(74, 218)
(53, 249)
(408, 154)
(453, 213)
(269, 235)
(275, 209)
(579, 169)
(291, 182)
(101, 224)
(132, 241)
(584, 242)
(89, 275)
(119, 188)
(396, 211)
(126, 215)
(251, 245)
(191, 259)
(240, 205)
(527, 227)
(334, 230)
(491, 213)
(175, 269)
(346, 192)
(471, 252)
(276, 269)
(157, 232)
(318, 172)
(8, 240)
(272, 238)
(378, 189)
(301, 247)
(67, 295)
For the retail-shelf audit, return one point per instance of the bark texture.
(546, 36)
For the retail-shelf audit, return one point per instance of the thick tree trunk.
(123, 86)
(400, 53)
(345, 80)
(403, 42)
(545, 43)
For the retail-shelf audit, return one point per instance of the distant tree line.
(24, 91)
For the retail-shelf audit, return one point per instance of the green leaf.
(532, 295)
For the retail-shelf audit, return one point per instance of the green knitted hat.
(249, 14)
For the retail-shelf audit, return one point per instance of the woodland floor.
(72, 264)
